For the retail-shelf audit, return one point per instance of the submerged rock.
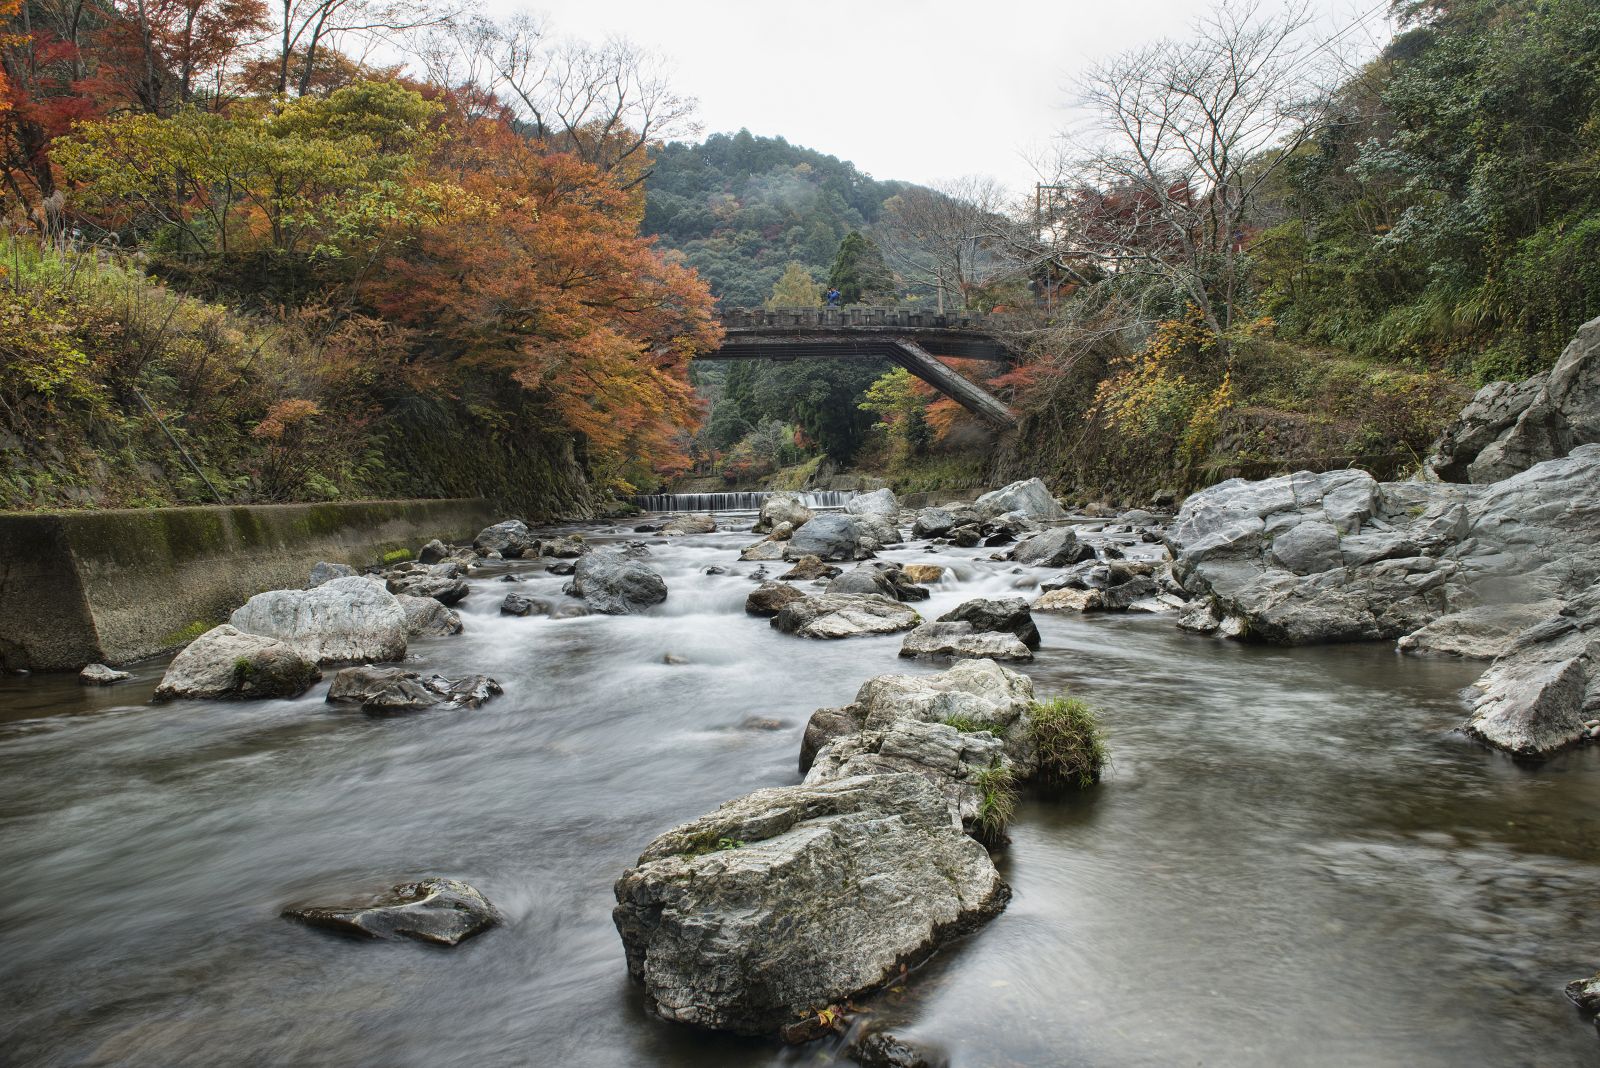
(881, 1049)
(737, 921)
(614, 585)
(443, 912)
(427, 618)
(388, 690)
(844, 616)
(100, 675)
(228, 663)
(808, 568)
(346, 619)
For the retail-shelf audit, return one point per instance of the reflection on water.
(1293, 860)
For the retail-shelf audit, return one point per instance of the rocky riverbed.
(1294, 856)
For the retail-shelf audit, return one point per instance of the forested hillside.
(1322, 284)
(741, 208)
(244, 266)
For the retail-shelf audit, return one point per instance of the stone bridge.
(911, 339)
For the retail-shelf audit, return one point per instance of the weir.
(749, 501)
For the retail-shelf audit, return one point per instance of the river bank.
(1292, 856)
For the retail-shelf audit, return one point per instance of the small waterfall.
(734, 502)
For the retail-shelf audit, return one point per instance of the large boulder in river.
(680, 525)
(1536, 698)
(862, 579)
(1408, 552)
(829, 536)
(428, 618)
(1479, 633)
(974, 694)
(1009, 614)
(777, 905)
(439, 911)
(1030, 498)
(934, 523)
(963, 641)
(347, 619)
(1510, 427)
(612, 584)
(1056, 547)
(849, 616)
(228, 663)
(955, 761)
(782, 508)
(769, 598)
(445, 583)
(880, 502)
(510, 538)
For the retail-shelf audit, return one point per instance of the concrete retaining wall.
(118, 586)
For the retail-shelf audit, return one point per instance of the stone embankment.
(117, 586)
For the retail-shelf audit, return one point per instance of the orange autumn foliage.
(944, 415)
(539, 273)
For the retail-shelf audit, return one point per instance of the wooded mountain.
(741, 207)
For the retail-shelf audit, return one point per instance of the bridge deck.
(897, 335)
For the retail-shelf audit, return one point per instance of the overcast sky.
(914, 89)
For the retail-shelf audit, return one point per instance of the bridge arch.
(901, 336)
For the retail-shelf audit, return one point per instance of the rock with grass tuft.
(228, 663)
(789, 900)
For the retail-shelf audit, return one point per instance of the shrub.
(1069, 740)
(997, 803)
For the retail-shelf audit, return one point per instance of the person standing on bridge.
(832, 297)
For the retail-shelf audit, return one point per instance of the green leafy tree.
(795, 289)
(859, 272)
(317, 175)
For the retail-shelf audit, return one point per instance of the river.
(1292, 860)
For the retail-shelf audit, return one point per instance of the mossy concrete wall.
(117, 586)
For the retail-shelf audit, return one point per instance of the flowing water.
(741, 501)
(1292, 861)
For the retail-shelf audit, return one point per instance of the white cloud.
(904, 89)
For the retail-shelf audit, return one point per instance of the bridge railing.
(853, 315)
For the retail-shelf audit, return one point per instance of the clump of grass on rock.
(997, 803)
(1070, 742)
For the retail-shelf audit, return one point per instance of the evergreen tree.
(859, 272)
(795, 289)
